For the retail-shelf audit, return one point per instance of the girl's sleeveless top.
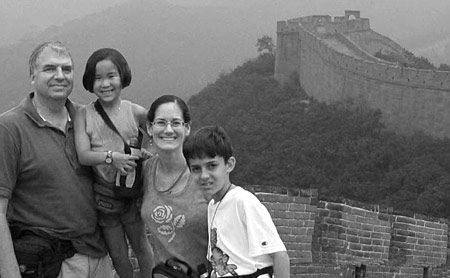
(103, 138)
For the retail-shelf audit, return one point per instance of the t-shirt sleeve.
(262, 234)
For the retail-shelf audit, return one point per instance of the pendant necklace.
(218, 204)
(213, 242)
(176, 180)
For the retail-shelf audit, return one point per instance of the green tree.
(265, 44)
(417, 62)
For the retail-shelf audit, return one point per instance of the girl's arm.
(281, 264)
(86, 156)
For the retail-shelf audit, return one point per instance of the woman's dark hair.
(168, 99)
(106, 54)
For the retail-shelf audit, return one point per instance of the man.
(42, 185)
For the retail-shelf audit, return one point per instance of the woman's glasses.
(161, 123)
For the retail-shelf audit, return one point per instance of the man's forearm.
(8, 262)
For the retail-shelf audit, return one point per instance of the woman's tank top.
(177, 222)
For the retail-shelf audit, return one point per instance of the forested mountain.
(282, 138)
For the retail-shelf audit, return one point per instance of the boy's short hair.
(208, 141)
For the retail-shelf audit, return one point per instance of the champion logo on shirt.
(264, 244)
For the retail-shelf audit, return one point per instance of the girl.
(106, 74)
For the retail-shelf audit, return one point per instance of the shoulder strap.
(110, 124)
(179, 264)
(259, 272)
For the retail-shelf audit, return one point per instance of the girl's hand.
(124, 162)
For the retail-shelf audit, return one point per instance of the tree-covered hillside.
(282, 138)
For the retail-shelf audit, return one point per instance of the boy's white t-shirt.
(241, 234)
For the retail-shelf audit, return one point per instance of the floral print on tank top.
(168, 223)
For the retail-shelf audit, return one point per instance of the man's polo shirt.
(41, 177)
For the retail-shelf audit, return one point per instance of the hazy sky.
(401, 20)
(23, 17)
(19, 18)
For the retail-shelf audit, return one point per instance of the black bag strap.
(175, 262)
(172, 268)
(98, 106)
(259, 272)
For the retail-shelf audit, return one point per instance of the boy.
(242, 237)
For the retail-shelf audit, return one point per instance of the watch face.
(108, 160)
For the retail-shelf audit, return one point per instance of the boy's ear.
(230, 164)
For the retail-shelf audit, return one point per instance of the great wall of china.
(334, 61)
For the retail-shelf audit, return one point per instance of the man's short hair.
(208, 141)
(56, 46)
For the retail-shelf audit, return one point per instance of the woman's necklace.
(175, 181)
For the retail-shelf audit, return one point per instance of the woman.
(173, 207)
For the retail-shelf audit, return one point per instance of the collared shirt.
(41, 177)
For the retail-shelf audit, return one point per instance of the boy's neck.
(221, 194)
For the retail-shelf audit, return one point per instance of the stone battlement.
(332, 239)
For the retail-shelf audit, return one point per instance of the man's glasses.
(163, 123)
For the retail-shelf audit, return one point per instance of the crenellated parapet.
(349, 239)
(375, 68)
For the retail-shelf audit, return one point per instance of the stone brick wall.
(418, 242)
(294, 213)
(351, 235)
(350, 239)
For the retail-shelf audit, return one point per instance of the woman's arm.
(281, 264)
(140, 115)
(88, 157)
